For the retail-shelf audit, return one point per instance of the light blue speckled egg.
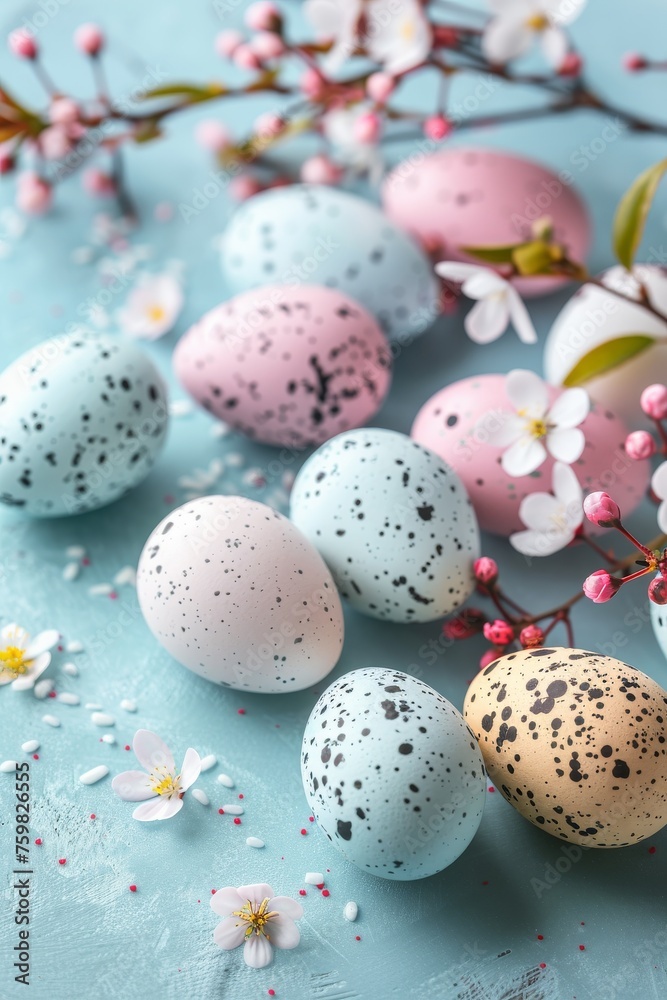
(392, 521)
(317, 235)
(392, 773)
(82, 419)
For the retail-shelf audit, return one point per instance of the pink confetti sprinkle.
(133, 888)
(221, 811)
(358, 937)
(35, 756)
(311, 819)
(485, 883)
(325, 892)
(540, 937)
(52, 694)
(113, 596)
(85, 561)
(62, 861)
(304, 832)
(127, 746)
(271, 993)
(491, 788)
(93, 816)
(320, 886)
(39, 841)
(302, 892)
(169, 498)
(241, 711)
(242, 796)
(543, 965)
(651, 850)
(237, 820)
(213, 892)
(582, 947)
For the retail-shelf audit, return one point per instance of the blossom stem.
(597, 548)
(44, 78)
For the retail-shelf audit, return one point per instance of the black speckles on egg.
(410, 558)
(585, 763)
(407, 796)
(82, 421)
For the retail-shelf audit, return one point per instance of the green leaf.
(533, 258)
(606, 357)
(493, 254)
(191, 91)
(632, 213)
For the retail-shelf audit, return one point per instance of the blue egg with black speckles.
(82, 419)
(311, 234)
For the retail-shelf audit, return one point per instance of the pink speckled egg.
(483, 197)
(287, 366)
(450, 424)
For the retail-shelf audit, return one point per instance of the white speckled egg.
(310, 234)
(455, 424)
(82, 419)
(287, 366)
(392, 774)
(594, 317)
(236, 593)
(576, 742)
(392, 521)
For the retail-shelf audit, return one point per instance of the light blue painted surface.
(470, 931)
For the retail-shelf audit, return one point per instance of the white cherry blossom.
(160, 784)
(498, 302)
(552, 520)
(518, 24)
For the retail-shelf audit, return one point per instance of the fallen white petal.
(95, 774)
(254, 842)
(103, 719)
(108, 738)
(51, 720)
(128, 705)
(234, 810)
(69, 699)
(7, 766)
(351, 911)
(42, 688)
(75, 646)
(30, 746)
(228, 782)
(71, 669)
(201, 796)
(313, 878)
(209, 761)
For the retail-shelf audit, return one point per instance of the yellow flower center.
(256, 918)
(13, 658)
(407, 30)
(538, 22)
(156, 313)
(538, 428)
(164, 783)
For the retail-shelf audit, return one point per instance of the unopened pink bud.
(464, 625)
(653, 401)
(7, 161)
(600, 509)
(639, 445)
(312, 84)
(380, 87)
(437, 128)
(499, 632)
(63, 111)
(531, 637)
(267, 45)
(33, 194)
(269, 125)
(212, 135)
(657, 590)
(22, 44)
(485, 569)
(571, 65)
(633, 62)
(320, 170)
(263, 16)
(489, 657)
(244, 187)
(89, 39)
(367, 128)
(97, 182)
(600, 586)
(227, 42)
(245, 58)
(55, 142)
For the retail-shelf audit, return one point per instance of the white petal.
(560, 12)
(520, 317)
(659, 481)
(570, 409)
(257, 952)
(569, 494)
(152, 752)
(487, 320)
(566, 444)
(554, 46)
(325, 17)
(255, 893)
(505, 38)
(662, 516)
(523, 457)
(14, 635)
(190, 769)
(6, 677)
(230, 933)
(24, 682)
(133, 786)
(500, 429)
(486, 282)
(283, 932)
(539, 511)
(539, 543)
(400, 41)
(527, 392)
(39, 665)
(42, 642)
(452, 270)
(158, 808)
(287, 906)
(225, 901)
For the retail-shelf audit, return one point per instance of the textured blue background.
(472, 930)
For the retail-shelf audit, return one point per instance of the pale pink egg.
(456, 421)
(287, 365)
(484, 197)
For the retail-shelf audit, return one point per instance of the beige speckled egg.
(576, 742)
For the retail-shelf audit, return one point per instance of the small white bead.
(95, 774)
(71, 572)
(51, 720)
(75, 646)
(68, 698)
(128, 705)
(200, 796)
(225, 780)
(234, 810)
(103, 719)
(351, 911)
(108, 738)
(71, 669)
(313, 878)
(30, 746)
(208, 762)
(254, 842)
(42, 688)
(7, 766)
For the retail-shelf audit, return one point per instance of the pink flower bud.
(464, 625)
(89, 39)
(212, 135)
(633, 62)
(244, 187)
(657, 590)
(269, 125)
(571, 65)
(63, 111)
(22, 44)
(263, 16)
(367, 128)
(33, 194)
(489, 657)
(312, 84)
(227, 42)
(499, 632)
(437, 128)
(600, 586)
(639, 445)
(97, 182)
(245, 58)
(267, 45)
(7, 161)
(320, 170)
(485, 569)
(600, 509)
(653, 401)
(380, 86)
(55, 142)
(531, 637)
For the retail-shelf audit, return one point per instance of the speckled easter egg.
(82, 419)
(234, 592)
(576, 742)
(485, 197)
(589, 340)
(393, 523)
(310, 234)
(455, 424)
(392, 774)
(287, 366)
